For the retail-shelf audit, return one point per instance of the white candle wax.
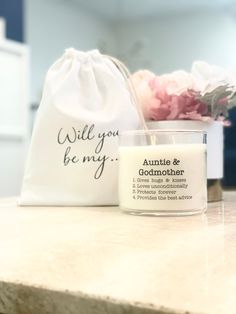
(169, 178)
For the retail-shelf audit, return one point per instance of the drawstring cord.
(126, 75)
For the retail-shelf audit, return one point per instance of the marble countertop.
(99, 260)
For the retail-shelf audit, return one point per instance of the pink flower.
(207, 93)
(173, 106)
(140, 81)
(177, 82)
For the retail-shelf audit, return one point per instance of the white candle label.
(163, 177)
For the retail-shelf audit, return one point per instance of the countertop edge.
(17, 298)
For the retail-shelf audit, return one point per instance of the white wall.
(162, 44)
(167, 43)
(52, 26)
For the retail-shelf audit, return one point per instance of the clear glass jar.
(163, 172)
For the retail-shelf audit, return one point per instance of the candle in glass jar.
(163, 179)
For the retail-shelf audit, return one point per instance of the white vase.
(215, 145)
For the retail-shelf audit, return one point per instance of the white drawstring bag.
(73, 157)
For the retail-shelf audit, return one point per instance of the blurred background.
(159, 35)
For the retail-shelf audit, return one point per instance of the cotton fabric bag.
(73, 157)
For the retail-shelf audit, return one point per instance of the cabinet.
(14, 114)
